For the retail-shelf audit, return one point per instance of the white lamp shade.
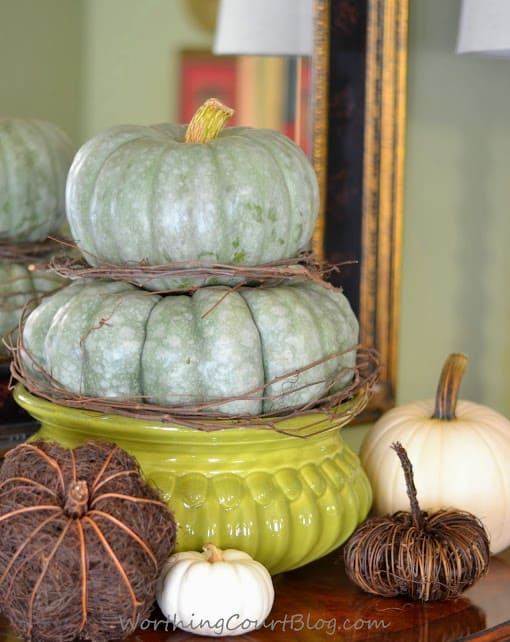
(264, 28)
(485, 27)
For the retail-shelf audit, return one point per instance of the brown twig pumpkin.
(82, 540)
(416, 555)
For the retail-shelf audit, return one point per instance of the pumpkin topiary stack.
(35, 157)
(195, 308)
(196, 196)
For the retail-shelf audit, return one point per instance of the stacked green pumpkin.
(172, 194)
(35, 157)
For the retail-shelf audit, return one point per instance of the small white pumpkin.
(460, 453)
(216, 593)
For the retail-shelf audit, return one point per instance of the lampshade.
(485, 27)
(264, 28)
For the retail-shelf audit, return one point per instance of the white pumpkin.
(460, 453)
(216, 593)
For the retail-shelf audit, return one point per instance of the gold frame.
(383, 165)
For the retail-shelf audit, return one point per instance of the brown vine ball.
(416, 555)
(82, 541)
(391, 556)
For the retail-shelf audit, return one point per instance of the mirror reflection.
(88, 64)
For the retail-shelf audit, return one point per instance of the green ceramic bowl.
(283, 499)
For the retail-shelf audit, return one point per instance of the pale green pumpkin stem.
(416, 512)
(448, 388)
(213, 554)
(208, 121)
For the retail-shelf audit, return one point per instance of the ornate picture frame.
(359, 89)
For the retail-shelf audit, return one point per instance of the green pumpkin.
(111, 339)
(20, 285)
(35, 157)
(245, 197)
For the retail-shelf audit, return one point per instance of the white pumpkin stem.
(407, 467)
(448, 388)
(208, 121)
(213, 554)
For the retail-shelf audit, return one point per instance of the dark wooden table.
(317, 602)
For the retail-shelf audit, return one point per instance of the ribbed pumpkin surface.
(106, 339)
(18, 287)
(141, 193)
(35, 157)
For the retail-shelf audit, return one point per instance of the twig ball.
(83, 538)
(416, 555)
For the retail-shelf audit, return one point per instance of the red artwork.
(252, 89)
(204, 76)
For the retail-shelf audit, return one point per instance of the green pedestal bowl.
(285, 500)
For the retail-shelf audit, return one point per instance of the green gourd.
(20, 285)
(111, 339)
(202, 193)
(35, 157)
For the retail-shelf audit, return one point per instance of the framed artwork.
(203, 76)
(264, 91)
